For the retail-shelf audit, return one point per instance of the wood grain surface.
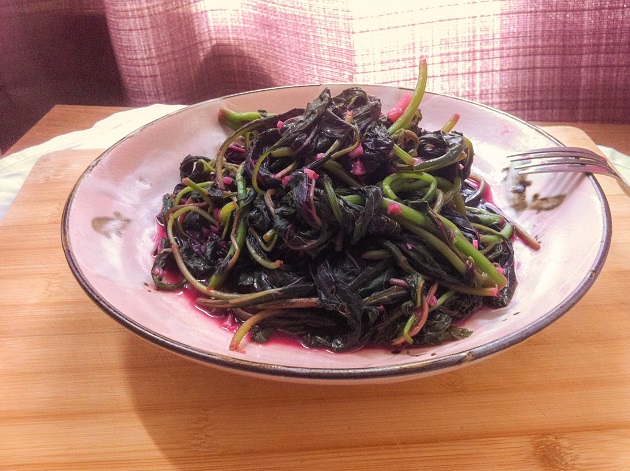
(79, 392)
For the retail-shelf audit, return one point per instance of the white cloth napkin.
(15, 168)
(619, 160)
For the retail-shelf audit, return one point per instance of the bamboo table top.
(80, 392)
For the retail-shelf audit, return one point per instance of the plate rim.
(336, 375)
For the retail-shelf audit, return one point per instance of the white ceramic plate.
(109, 231)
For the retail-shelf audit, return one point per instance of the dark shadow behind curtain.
(52, 54)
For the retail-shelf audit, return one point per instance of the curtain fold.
(550, 61)
(559, 60)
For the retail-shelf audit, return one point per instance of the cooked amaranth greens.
(339, 225)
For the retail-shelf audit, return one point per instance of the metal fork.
(567, 159)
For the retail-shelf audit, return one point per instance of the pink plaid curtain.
(557, 60)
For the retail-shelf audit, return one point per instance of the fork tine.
(555, 168)
(551, 151)
(570, 159)
(559, 149)
(564, 160)
(560, 160)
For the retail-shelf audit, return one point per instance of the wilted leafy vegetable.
(338, 224)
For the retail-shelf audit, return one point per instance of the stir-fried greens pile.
(339, 225)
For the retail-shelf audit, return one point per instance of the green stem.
(484, 217)
(226, 211)
(403, 155)
(293, 303)
(246, 326)
(239, 300)
(418, 223)
(442, 299)
(336, 169)
(238, 241)
(452, 155)
(258, 298)
(259, 162)
(399, 258)
(416, 98)
(196, 284)
(265, 262)
(234, 119)
(436, 242)
(458, 199)
(268, 245)
(376, 254)
(242, 131)
(450, 124)
(332, 200)
(390, 184)
(189, 189)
